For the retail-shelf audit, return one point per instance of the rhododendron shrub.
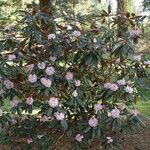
(79, 80)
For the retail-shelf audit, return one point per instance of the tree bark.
(123, 7)
(46, 7)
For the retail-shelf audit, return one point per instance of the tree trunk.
(47, 8)
(121, 7)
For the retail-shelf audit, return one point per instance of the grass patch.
(144, 108)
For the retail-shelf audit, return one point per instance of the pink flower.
(129, 89)
(75, 93)
(29, 101)
(59, 116)
(41, 65)
(46, 82)
(51, 36)
(1, 113)
(52, 58)
(53, 102)
(69, 75)
(50, 70)
(107, 85)
(76, 33)
(29, 140)
(115, 113)
(79, 137)
(32, 78)
(137, 58)
(30, 67)
(8, 84)
(134, 33)
(77, 83)
(14, 103)
(93, 122)
(11, 57)
(134, 112)
(98, 106)
(109, 140)
(121, 82)
(114, 87)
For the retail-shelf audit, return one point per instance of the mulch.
(138, 140)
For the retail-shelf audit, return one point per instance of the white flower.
(39, 136)
(75, 93)
(93, 122)
(29, 101)
(77, 83)
(137, 58)
(11, 57)
(129, 89)
(109, 140)
(1, 113)
(94, 40)
(53, 102)
(121, 82)
(41, 65)
(79, 137)
(115, 113)
(50, 70)
(147, 62)
(32, 78)
(98, 106)
(59, 116)
(51, 36)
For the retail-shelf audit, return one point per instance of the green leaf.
(80, 102)
(87, 130)
(37, 36)
(49, 111)
(30, 109)
(64, 124)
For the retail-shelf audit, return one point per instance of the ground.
(138, 140)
